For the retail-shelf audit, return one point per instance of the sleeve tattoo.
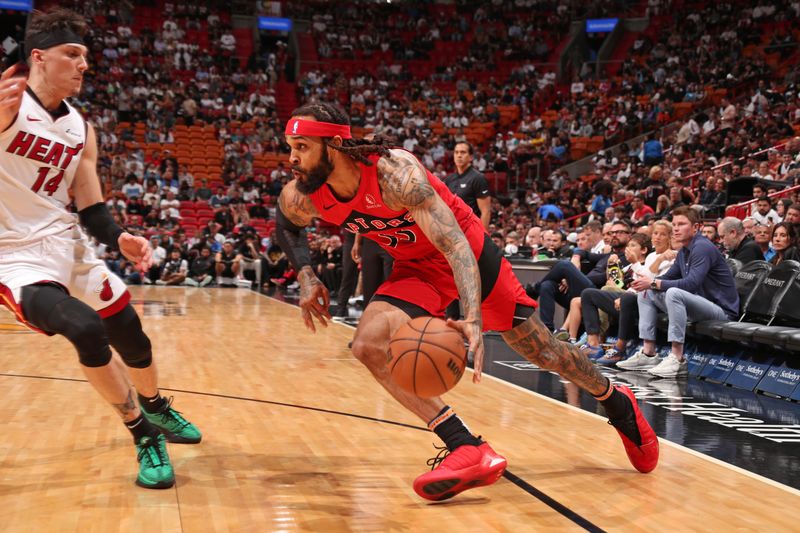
(404, 183)
(534, 342)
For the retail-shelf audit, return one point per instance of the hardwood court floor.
(298, 437)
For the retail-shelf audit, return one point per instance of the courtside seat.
(775, 336)
(740, 331)
(787, 319)
(793, 342)
(710, 328)
(734, 264)
(747, 279)
(764, 303)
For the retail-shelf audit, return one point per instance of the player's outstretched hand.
(314, 299)
(137, 249)
(473, 332)
(11, 90)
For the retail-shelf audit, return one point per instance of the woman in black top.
(784, 242)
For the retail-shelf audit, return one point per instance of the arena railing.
(743, 210)
(694, 177)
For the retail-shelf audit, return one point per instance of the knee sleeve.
(51, 309)
(125, 334)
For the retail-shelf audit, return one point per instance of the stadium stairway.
(285, 99)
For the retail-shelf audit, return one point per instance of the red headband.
(298, 126)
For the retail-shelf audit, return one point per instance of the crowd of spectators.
(691, 166)
(691, 54)
(159, 77)
(492, 31)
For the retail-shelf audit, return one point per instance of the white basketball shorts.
(68, 260)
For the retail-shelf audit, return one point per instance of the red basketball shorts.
(428, 283)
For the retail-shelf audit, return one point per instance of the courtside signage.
(719, 368)
(780, 380)
(747, 374)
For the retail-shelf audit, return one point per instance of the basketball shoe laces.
(152, 452)
(444, 453)
(434, 462)
(168, 414)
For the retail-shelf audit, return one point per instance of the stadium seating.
(767, 295)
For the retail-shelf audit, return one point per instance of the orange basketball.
(428, 357)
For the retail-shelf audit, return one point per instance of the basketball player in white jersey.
(49, 276)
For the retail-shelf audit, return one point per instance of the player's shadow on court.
(458, 501)
(343, 479)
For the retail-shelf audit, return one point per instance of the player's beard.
(316, 176)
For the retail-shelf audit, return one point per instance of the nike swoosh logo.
(496, 461)
(33, 119)
(326, 207)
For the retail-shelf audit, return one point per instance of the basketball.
(427, 357)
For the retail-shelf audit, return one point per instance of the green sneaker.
(155, 470)
(176, 428)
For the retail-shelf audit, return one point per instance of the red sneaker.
(645, 457)
(465, 468)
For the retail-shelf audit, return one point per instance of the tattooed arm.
(404, 185)
(295, 212)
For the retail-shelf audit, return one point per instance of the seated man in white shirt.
(765, 214)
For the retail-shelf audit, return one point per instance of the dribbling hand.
(314, 300)
(473, 332)
(137, 249)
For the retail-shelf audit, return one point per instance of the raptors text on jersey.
(395, 231)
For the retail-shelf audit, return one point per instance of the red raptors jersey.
(394, 231)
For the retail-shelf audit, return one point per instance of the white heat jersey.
(38, 159)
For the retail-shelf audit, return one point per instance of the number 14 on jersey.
(50, 185)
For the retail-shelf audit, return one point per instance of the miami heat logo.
(104, 289)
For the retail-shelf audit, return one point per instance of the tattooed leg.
(534, 342)
(126, 408)
(112, 383)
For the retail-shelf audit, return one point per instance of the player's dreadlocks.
(358, 149)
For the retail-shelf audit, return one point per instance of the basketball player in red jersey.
(441, 253)
(49, 276)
